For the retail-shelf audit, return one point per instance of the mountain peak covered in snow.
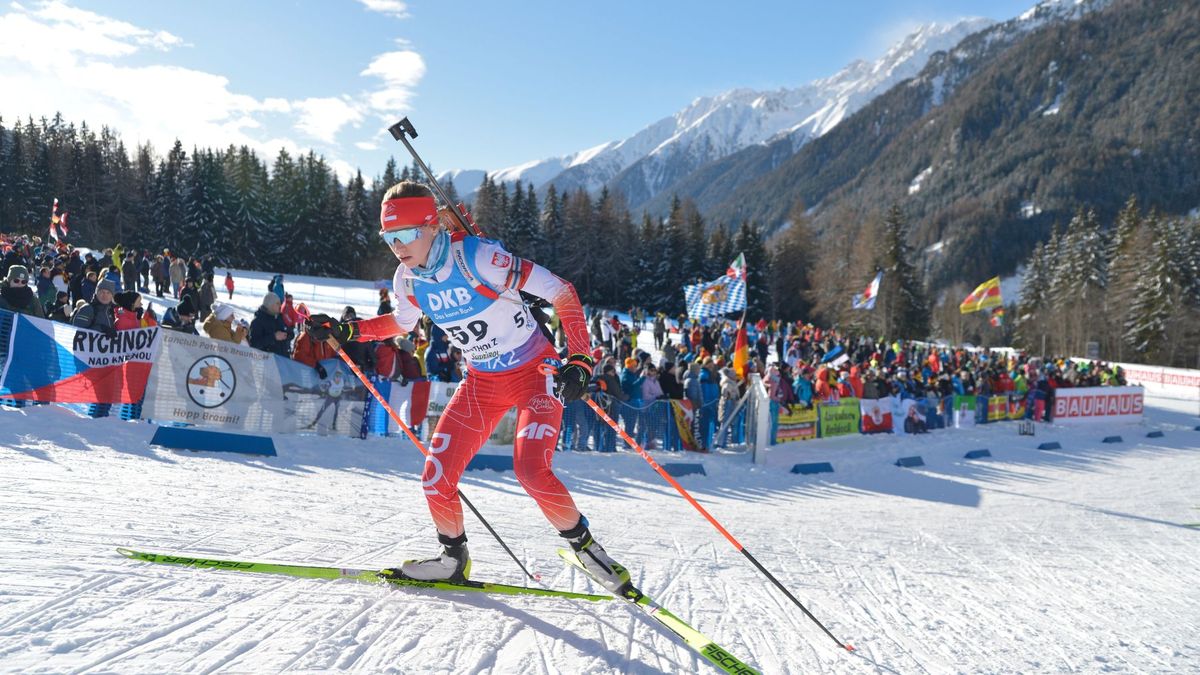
(711, 127)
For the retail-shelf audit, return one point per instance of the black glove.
(321, 371)
(322, 327)
(573, 377)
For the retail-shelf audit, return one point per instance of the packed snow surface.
(1075, 560)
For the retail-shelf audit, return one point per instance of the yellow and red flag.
(985, 296)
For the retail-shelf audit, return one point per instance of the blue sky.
(487, 84)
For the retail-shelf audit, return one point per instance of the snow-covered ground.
(1076, 560)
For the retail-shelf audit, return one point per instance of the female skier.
(470, 287)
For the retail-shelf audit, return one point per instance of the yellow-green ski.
(361, 575)
(700, 643)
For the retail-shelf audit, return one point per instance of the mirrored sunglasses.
(406, 236)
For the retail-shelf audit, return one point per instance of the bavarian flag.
(985, 296)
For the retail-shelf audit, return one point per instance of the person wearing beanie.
(60, 310)
(100, 313)
(129, 312)
(17, 296)
(312, 352)
(220, 325)
(268, 332)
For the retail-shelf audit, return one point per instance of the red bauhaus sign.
(1098, 404)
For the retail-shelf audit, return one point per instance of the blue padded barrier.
(191, 438)
(816, 467)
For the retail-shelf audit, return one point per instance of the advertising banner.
(997, 408)
(876, 415)
(838, 418)
(213, 383)
(333, 405)
(799, 425)
(56, 362)
(1090, 405)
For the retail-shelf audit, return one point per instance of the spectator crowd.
(640, 361)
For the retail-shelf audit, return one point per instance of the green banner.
(838, 418)
(961, 402)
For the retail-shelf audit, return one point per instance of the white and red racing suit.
(472, 291)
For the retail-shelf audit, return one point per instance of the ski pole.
(421, 446)
(691, 500)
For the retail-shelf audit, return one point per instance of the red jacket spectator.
(309, 351)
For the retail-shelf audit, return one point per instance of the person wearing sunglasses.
(17, 296)
(471, 288)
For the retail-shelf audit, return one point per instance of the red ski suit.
(509, 363)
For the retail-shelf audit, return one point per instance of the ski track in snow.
(1073, 561)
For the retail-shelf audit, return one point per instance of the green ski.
(694, 638)
(361, 575)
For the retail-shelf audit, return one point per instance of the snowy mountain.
(712, 127)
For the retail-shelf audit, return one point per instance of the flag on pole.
(722, 296)
(741, 350)
(997, 318)
(985, 296)
(866, 300)
(57, 223)
(737, 268)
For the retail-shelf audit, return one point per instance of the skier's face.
(414, 253)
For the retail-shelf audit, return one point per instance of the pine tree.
(167, 201)
(792, 259)
(749, 241)
(361, 240)
(901, 295)
(551, 228)
(1150, 312)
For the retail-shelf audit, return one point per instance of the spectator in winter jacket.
(290, 315)
(361, 353)
(671, 387)
(129, 313)
(437, 355)
(220, 325)
(114, 275)
(385, 303)
(144, 270)
(208, 297)
(267, 331)
(177, 273)
(229, 284)
(276, 286)
(17, 295)
(182, 317)
(60, 309)
(408, 368)
(99, 314)
(129, 273)
(312, 352)
(87, 287)
(45, 286)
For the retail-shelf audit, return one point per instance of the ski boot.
(453, 565)
(606, 571)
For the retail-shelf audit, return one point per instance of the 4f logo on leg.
(536, 431)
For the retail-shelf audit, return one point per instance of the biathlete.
(471, 288)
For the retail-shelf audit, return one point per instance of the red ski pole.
(708, 516)
(421, 446)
